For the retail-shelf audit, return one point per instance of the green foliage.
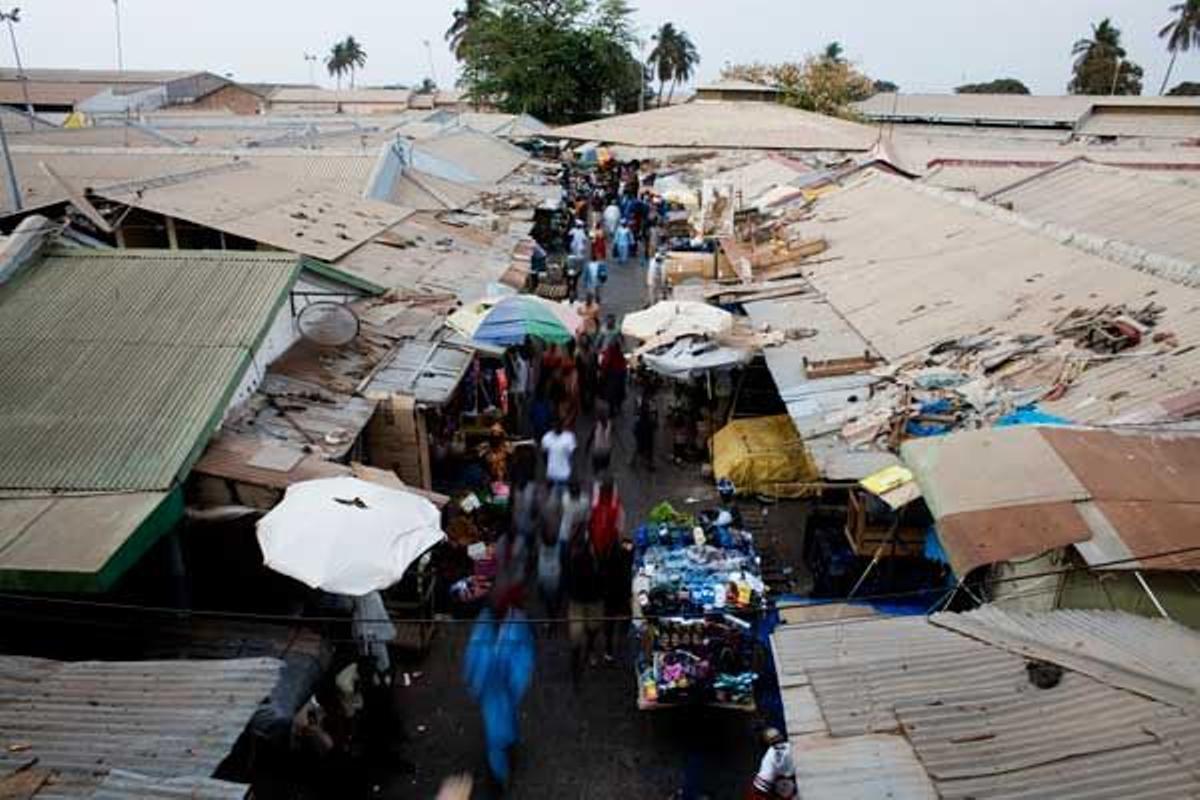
(559, 60)
(885, 87)
(998, 86)
(1186, 89)
(819, 83)
(427, 86)
(674, 58)
(1100, 64)
(345, 56)
(1181, 34)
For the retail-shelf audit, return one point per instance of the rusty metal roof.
(1117, 496)
(954, 689)
(160, 720)
(118, 364)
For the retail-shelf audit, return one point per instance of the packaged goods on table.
(698, 596)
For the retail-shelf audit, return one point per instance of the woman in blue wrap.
(498, 669)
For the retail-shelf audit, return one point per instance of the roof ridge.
(1115, 251)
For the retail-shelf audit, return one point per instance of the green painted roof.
(117, 365)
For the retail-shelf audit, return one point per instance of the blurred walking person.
(498, 668)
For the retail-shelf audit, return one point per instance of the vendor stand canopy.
(347, 536)
(763, 455)
(508, 321)
(673, 319)
(693, 356)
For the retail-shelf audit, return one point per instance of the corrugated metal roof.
(1159, 212)
(979, 727)
(978, 178)
(309, 96)
(1004, 493)
(1152, 657)
(913, 266)
(768, 126)
(298, 213)
(1173, 124)
(116, 362)
(428, 371)
(1003, 109)
(426, 254)
(105, 76)
(121, 785)
(158, 719)
(860, 768)
(486, 157)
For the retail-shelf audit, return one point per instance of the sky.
(922, 45)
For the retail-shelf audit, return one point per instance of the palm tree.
(1104, 44)
(464, 20)
(660, 58)
(1181, 33)
(684, 58)
(834, 53)
(336, 63)
(356, 57)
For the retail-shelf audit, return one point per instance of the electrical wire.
(291, 619)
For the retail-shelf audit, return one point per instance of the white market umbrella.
(346, 535)
(673, 319)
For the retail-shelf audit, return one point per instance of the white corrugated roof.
(1158, 211)
(997, 109)
(733, 124)
(913, 265)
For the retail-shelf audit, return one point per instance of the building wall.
(228, 98)
(1179, 593)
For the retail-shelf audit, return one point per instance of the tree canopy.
(1181, 34)
(998, 86)
(345, 56)
(885, 87)
(560, 60)
(1185, 89)
(674, 58)
(825, 83)
(1100, 64)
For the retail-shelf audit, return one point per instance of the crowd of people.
(565, 556)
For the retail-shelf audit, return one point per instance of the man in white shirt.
(559, 447)
(654, 280)
(776, 776)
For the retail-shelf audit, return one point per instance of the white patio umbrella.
(677, 318)
(347, 536)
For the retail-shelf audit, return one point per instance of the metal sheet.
(726, 124)
(1131, 465)
(975, 538)
(1152, 657)
(428, 371)
(990, 469)
(160, 719)
(116, 363)
(860, 768)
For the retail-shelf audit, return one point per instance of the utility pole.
(10, 17)
(117, 14)
(432, 71)
(1116, 76)
(312, 65)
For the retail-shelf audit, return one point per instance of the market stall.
(699, 601)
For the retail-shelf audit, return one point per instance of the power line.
(291, 619)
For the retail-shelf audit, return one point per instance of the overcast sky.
(923, 45)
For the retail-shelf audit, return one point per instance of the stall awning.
(80, 543)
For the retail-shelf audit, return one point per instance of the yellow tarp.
(764, 455)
